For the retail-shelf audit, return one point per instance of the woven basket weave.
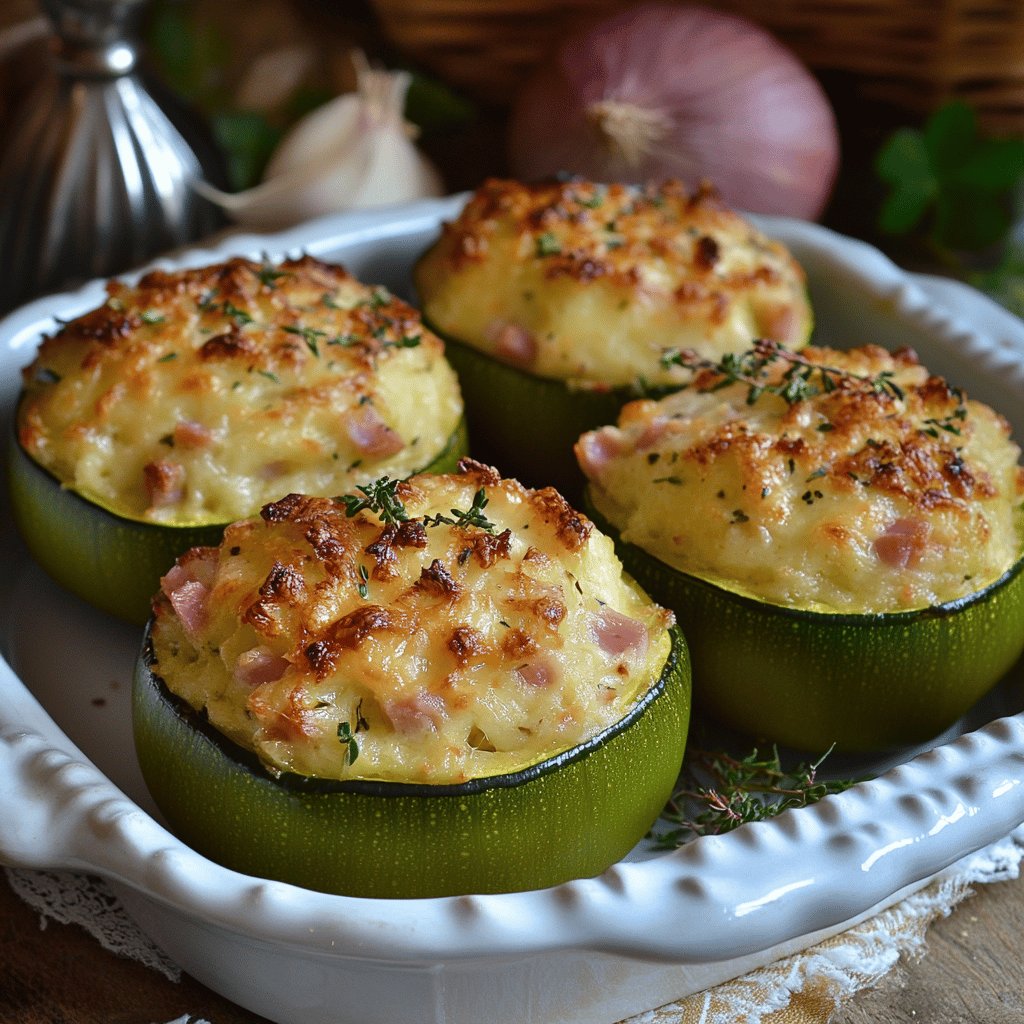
(914, 54)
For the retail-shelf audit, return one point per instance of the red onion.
(663, 91)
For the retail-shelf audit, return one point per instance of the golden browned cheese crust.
(482, 628)
(196, 396)
(587, 282)
(850, 481)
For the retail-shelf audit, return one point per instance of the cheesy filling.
(483, 628)
(587, 283)
(827, 480)
(198, 396)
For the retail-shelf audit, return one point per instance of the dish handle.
(57, 809)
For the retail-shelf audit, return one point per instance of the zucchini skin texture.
(113, 562)
(527, 425)
(811, 680)
(570, 816)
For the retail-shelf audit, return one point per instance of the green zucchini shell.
(112, 561)
(813, 679)
(569, 816)
(527, 425)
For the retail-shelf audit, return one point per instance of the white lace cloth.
(835, 969)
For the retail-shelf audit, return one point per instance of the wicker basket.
(914, 54)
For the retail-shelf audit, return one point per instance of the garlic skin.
(354, 152)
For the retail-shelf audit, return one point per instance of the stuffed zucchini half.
(558, 300)
(439, 686)
(839, 533)
(192, 398)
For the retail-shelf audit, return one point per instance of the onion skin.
(666, 91)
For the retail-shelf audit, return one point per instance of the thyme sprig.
(379, 497)
(473, 516)
(802, 380)
(719, 792)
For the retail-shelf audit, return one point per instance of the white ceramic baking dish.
(649, 930)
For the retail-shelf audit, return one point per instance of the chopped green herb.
(167, 357)
(269, 376)
(269, 275)
(593, 201)
(364, 577)
(310, 335)
(151, 316)
(548, 245)
(240, 316)
(408, 341)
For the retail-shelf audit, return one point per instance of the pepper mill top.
(97, 174)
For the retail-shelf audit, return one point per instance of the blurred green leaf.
(247, 139)
(904, 158)
(948, 182)
(949, 135)
(994, 164)
(189, 55)
(970, 219)
(432, 106)
(903, 208)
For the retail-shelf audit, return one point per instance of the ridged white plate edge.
(717, 898)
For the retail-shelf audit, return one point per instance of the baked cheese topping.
(587, 282)
(826, 480)
(459, 626)
(197, 396)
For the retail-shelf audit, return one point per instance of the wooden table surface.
(973, 973)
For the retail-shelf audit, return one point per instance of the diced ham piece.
(190, 434)
(164, 482)
(275, 469)
(370, 434)
(902, 543)
(537, 674)
(616, 634)
(652, 433)
(259, 665)
(596, 450)
(513, 344)
(417, 714)
(187, 586)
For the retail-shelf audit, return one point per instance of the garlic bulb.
(355, 151)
